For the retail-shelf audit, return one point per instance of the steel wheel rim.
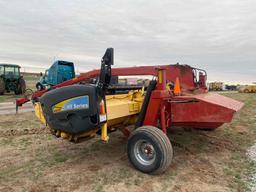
(144, 152)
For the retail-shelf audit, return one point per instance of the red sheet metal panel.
(220, 100)
(210, 111)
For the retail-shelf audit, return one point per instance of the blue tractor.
(59, 72)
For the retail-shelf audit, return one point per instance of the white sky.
(216, 35)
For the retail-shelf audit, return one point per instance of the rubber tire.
(2, 86)
(246, 91)
(161, 144)
(21, 87)
(40, 87)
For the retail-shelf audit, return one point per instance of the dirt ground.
(31, 159)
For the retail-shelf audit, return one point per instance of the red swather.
(195, 107)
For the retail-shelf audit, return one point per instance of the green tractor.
(11, 79)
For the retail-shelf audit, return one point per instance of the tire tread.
(2, 86)
(164, 144)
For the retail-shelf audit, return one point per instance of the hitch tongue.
(19, 102)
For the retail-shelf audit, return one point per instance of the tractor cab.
(10, 71)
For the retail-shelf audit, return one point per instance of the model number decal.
(75, 103)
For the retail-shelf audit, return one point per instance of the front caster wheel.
(149, 150)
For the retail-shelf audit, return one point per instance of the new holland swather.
(176, 96)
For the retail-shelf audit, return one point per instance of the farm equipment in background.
(231, 87)
(216, 86)
(248, 89)
(176, 96)
(11, 79)
(59, 72)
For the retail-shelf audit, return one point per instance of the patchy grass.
(6, 141)
(59, 157)
(242, 132)
(31, 81)
(8, 97)
(2, 99)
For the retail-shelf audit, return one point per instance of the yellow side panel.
(39, 113)
(121, 108)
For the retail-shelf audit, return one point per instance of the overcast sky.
(216, 35)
